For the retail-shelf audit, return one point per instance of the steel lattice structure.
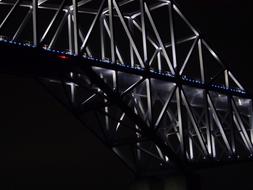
(139, 76)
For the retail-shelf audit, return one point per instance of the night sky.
(44, 147)
(226, 26)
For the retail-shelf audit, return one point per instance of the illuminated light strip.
(63, 56)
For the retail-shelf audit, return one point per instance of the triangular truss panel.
(138, 75)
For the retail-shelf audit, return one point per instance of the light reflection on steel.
(152, 89)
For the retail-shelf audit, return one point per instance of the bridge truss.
(139, 76)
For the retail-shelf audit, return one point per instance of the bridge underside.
(85, 87)
(161, 101)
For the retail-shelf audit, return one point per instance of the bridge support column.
(168, 183)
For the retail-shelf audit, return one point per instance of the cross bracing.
(146, 82)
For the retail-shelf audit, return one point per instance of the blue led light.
(137, 67)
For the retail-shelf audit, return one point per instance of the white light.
(240, 102)
(121, 118)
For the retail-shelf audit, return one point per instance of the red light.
(63, 57)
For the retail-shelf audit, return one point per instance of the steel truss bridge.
(137, 74)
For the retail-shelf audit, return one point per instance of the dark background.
(42, 146)
(226, 26)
